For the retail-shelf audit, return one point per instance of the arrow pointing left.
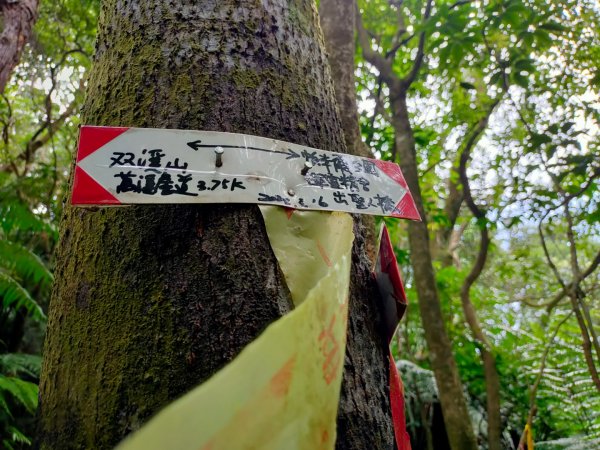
(195, 144)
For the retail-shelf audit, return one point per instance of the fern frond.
(17, 436)
(16, 216)
(417, 379)
(22, 392)
(7, 444)
(13, 295)
(25, 264)
(572, 443)
(14, 364)
(4, 406)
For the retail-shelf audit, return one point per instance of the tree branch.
(390, 53)
(547, 253)
(480, 215)
(379, 106)
(398, 35)
(492, 379)
(375, 58)
(42, 136)
(371, 131)
(410, 78)
(460, 3)
(563, 292)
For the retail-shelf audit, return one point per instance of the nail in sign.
(118, 165)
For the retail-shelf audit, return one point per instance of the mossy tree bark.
(16, 20)
(149, 301)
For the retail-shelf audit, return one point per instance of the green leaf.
(7, 444)
(567, 126)
(520, 80)
(25, 264)
(525, 65)
(553, 26)
(542, 38)
(593, 218)
(15, 364)
(16, 216)
(553, 128)
(579, 159)
(551, 150)
(527, 38)
(538, 139)
(4, 405)
(22, 392)
(18, 436)
(457, 52)
(14, 296)
(513, 18)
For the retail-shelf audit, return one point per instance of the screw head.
(291, 192)
(307, 166)
(219, 150)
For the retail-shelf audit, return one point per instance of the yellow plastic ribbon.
(282, 391)
(529, 437)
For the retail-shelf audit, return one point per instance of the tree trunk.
(448, 236)
(492, 378)
(454, 407)
(149, 301)
(337, 19)
(18, 18)
(337, 22)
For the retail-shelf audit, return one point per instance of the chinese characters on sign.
(140, 165)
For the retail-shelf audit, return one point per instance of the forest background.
(501, 101)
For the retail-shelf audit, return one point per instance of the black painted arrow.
(195, 144)
(198, 144)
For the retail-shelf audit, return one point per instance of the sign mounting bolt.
(307, 166)
(291, 192)
(219, 156)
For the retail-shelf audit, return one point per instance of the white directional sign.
(147, 165)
